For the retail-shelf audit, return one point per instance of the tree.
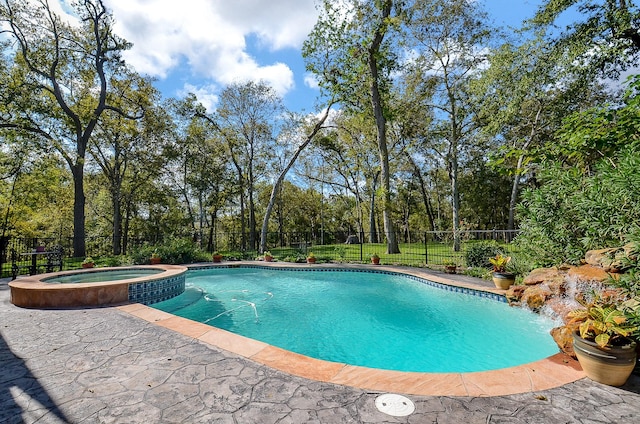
(59, 83)
(248, 118)
(350, 161)
(276, 186)
(589, 193)
(605, 40)
(128, 151)
(521, 99)
(447, 37)
(348, 52)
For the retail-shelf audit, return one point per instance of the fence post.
(426, 249)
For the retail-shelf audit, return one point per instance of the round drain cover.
(395, 405)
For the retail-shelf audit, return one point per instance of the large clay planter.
(611, 365)
(450, 269)
(503, 280)
(268, 258)
(155, 261)
(217, 258)
(88, 265)
(375, 260)
(311, 260)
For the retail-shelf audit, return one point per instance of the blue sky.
(201, 45)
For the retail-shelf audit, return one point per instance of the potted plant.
(450, 266)
(375, 259)
(501, 277)
(604, 341)
(88, 262)
(216, 257)
(311, 258)
(267, 256)
(155, 258)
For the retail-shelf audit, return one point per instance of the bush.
(573, 211)
(477, 255)
(176, 251)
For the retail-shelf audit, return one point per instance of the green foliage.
(572, 212)
(478, 255)
(478, 272)
(603, 323)
(176, 251)
(603, 38)
(340, 252)
(582, 202)
(500, 262)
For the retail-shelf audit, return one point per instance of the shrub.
(573, 211)
(176, 251)
(478, 255)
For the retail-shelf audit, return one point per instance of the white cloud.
(210, 37)
(311, 81)
(206, 95)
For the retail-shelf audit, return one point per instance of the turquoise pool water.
(374, 320)
(103, 276)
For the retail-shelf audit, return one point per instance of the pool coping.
(554, 371)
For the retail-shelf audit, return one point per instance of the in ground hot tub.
(99, 287)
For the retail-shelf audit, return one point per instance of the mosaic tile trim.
(442, 286)
(148, 292)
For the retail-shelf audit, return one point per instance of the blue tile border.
(448, 287)
(153, 291)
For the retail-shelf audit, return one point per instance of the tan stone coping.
(33, 292)
(554, 371)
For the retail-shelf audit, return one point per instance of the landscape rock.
(588, 273)
(544, 275)
(535, 297)
(514, 294)
(563, 336)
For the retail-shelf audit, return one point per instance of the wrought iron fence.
(417, 248)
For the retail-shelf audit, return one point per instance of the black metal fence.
(418, 248)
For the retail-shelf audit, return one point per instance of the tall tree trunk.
(243, 224)
(373, 229)
(381, 126)
(252, 218)
(117, 222)
(79, 201)
(126, 225)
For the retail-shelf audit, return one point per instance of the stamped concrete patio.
(109, 365)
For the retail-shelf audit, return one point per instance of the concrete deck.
(109, 365)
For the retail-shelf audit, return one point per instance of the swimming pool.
(371, 319)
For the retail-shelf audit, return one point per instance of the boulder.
(611, 259)
(588, 273)
(544, 275)
(534, 297)
(563, 336)
(597, 256)
(514, 294)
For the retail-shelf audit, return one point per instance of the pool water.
(103, 276)
(375, 320)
